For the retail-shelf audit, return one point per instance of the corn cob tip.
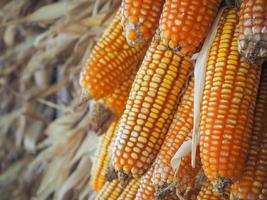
(253, 48)
(220, 185)
(132, 35)
(111, 174)
(165, 190)
(123, 178)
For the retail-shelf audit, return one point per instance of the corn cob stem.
(149, 110)
(110, 61)
(228, 103)
(184, 24)
(140, 19)
(252, 41)
(254, 178)
(102, 158)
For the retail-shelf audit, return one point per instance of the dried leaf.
(51, 11)
(183, 151)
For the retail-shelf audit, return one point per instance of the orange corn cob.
(117, 100)
(130, 191)
(184, 24)
(149, 109)
(140, 19)
(110, 60)
(251, 185)
(228, 103)
(252, 41)
(206, 193)
(102, 158)
(186, 177)
(110, 191)
(180, 128)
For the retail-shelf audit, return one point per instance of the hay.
(46, 139)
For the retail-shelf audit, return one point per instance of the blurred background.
(47, 140)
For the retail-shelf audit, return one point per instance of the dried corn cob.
(206, 192)
(251, 185)
(228, 103)
(102, 158)
(111, 59)
(140, 19)
(184, 24)
(180, 128)
(117, 100)
(252, 41)
(149, 109)
(110, 191)
(186, 177)
(183, 181)
(146, 189)
(130, 191)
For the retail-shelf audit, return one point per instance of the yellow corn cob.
(206, 193)
(117, 100)
(180, 128)
(228, 103)
(140, 19)
(110, 191)
(149, 109)
(102, 158)
(110, 60)
(184, 24)
(251, 185)
(253, 35)
(130, 191)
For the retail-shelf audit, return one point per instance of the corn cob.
(110, 191)
(206, 192)
(252, 41)
(102, 158)
(149, 109)
(183, 182)
(251, 185)
(186, 177)
(179, 129)
(140, 19)
(228, 103)
(146, 189)
(184, 24)
(130, 191)
(117, 100)
(111, 59)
